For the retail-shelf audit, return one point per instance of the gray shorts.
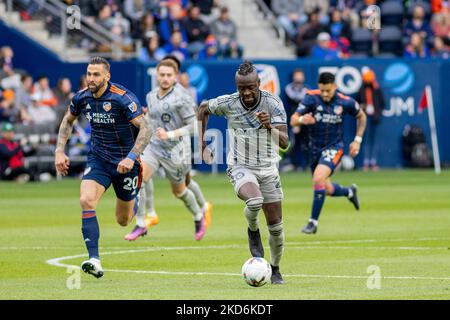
(175, 170)
(267, 179)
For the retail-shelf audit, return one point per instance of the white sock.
(314, 221)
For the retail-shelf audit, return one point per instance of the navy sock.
(339, 191)
(91, 232)
(319, 199)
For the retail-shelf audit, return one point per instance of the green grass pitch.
(402, 230)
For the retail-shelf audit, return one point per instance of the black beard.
(95, 90)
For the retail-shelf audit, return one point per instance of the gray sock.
(140, 213)
(195, 188)
(252, 218)
(189, 201)
(276, 242)
(149, 203)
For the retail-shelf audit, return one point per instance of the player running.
(323, 110)
(119, 135)
(257, 127)
(146, 196)
(171, 111)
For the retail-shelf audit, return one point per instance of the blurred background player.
(147, 191)
(252, 160)
(119, 135)
(172, 112)
(323, 110)
(371, 99)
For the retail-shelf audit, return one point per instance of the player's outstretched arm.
(361, 120)
(142, 140)
(62, 161)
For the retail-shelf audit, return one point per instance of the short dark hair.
(100, 60)
(326, 78)
(246, 68)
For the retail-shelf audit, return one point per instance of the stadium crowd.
(195, 29)
(330, 29)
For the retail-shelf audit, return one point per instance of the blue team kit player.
(322, 112)
(119, 135)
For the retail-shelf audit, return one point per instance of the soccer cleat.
(310, 228)
(136, 233)
(93, 266)
(276, 277)
(151, 220)
(200, 229)
(354, 199)
(255, 244)
(208, 214)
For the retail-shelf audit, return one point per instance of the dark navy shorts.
(126, 185)
(330, 157)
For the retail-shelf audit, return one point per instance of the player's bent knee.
(319, 180)
(255, 204)
(87, 202)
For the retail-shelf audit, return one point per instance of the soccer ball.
(348, 163)
(256, 272)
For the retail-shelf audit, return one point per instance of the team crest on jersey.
(107, 106)
(338, 110)
(132, 106)
(165, 117)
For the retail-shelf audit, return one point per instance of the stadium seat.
(392, 13)
(361, 41)
(390, 40)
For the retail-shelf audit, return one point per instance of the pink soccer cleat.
(200, 229)
(136, 233)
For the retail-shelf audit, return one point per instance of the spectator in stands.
(43, 103)
(307, 34)
(8, 112)
(440, 48)
(151, 52)
(29, 9)
(104, 17)
(147, 27)
(290, 15)
(340, 32)
(172, 22)
(225, 32)
(416, 48)
(185, 81)
(321, 7)
(295, 91)
(208, 14)
(418, 24)
(136, 9)
(323, 48)
(63, 93)
(23, 98)
(210, 49)
(6, 64)
(196, 31)
(12, 164)
(176, 47)
(371, 99)
(440, 23)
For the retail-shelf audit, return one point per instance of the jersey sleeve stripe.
(141, 115)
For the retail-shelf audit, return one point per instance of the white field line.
(57, 263)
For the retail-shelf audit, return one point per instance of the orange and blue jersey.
(112, 133)
(328, 129)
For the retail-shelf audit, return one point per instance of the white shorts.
(175, 170)
(267, 179)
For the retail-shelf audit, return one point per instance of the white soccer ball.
(256, 272)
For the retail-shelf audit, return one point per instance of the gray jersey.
(171, 112)
(250, 144)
